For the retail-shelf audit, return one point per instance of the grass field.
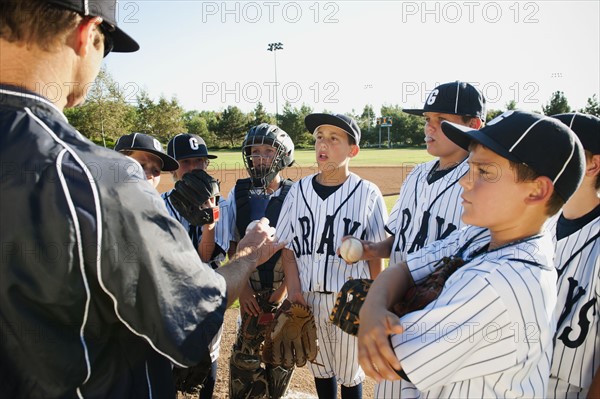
(366, 157)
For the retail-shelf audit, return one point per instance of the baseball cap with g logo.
(186, 145)
(457, 98)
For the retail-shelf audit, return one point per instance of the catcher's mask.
(272, 135)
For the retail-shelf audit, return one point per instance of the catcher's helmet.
(278, 139)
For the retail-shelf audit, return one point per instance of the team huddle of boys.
(508, 213)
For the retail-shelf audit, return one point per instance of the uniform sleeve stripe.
(99, 219)
(77, 228)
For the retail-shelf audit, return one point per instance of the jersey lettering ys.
(303, 243)
(574, 295)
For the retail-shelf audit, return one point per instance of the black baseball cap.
(107, 9)
(186, 145)
(313, 121)
(586, 127)
(541, 142)
(457, 98)
(144, 142)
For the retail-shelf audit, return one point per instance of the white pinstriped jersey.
(314, 228)
(489, 333)
(425, 212)
(577, 343)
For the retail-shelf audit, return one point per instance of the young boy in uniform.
(319, 210)
(149, 153)
(575, 362)
(428, 207)
(489, 332)
(266, 151)
(191, 153)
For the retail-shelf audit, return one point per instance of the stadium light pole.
(274, 47)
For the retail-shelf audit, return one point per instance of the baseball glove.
(193, 190)
(291, 338)
(348, 303)
(353, 293)
(420, 295)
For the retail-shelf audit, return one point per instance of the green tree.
(366, 122)
(259, 115)
(292, 121)
(492, 113)
(162, 120)
(511, 105)
(558, 104)
(105, 115)
(196, 124)
(232, 126)
(406, 129)
(592, 107)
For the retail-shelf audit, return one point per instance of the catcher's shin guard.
(250, 335)
(247, 379)
(278, 379)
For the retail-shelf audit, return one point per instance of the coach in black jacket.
(100, 289)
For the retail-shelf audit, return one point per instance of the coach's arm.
(254, 249)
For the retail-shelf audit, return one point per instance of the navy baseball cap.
(144, 142)
(313, 121)
(186, 145)
(107, 10)
(457, 98)
(541, 142)
(586, 127)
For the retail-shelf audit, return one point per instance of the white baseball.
(351, 250)
(251, 225)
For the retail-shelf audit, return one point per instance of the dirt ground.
(302, 385)
(388, 179)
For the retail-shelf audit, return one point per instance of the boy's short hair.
(545, 145)
(344, 122)
(456, 98)
(43, 21)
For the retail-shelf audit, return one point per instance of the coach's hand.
(259, 243)
(375, 353)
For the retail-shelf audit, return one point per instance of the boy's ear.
(592, 167)
(354, 150)
(541, 191)
(475, 123)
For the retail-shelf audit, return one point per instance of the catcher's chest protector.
(245, 211)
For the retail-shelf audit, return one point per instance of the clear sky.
(340, 55)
